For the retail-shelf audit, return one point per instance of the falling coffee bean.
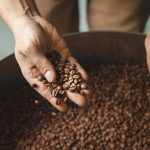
(40, 78)
(44, 81)
(34, 85)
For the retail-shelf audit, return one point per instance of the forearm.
(13, 10)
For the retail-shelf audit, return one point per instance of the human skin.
(35, 37)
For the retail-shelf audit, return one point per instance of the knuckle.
(41, 65)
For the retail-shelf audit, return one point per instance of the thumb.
(38, 58)
(147, 46)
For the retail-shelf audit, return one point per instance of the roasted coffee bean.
(77, 72)
(34, 85)
(63, 60)
(84, 86)
(60, 80)
(60, 68)
(61, 72)
(66, 75)
(58, 101)
(55, 92)
(82, 92)
(56, 62)
(65, 79)
(76, 76)
(54, 114)
(40, 78)
(66, 70)
(55, 85)
(72, 87)
(61, 92)
(62, 76)
(65, 99)
(75, 81)
(66, 85)
(50, 88)
(70, 79)
(61, 64)
(44, 81)
(59, 87)
(72, 72)
(48, 84)
(78, 87)
(79, 80)
(67, 65)
(72, 66)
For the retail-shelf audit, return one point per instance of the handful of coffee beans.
(68, 78)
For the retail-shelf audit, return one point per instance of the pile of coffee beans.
(68, 78)
(117, 116)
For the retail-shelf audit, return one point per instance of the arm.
(35, 37)
(13, 10)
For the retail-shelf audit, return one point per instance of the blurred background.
(7, 42)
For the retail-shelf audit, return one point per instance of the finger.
(87, 92)
(42, 89)
(147, 46)
(77, 98)
(37, 57)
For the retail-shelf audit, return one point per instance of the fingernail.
(49, 76)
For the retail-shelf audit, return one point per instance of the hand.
(34, 39)
(147, 46)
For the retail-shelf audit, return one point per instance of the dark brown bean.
(66, 75)
(54, 114)
(62, 92)
(79, 80)
(66, 85)
(59, 87)
(58, 101)
(72, 72)
(61, 64)
(66, 70)
(84, 86)
(75, 81)
(65, 99)
(55, 92)
(40, 78)
(72, 66)
(76, 76)
(65, 79)
(70, 79)
(62, 76)
(34, 85)
(72, 87)
(44, 81)
(82, 92)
